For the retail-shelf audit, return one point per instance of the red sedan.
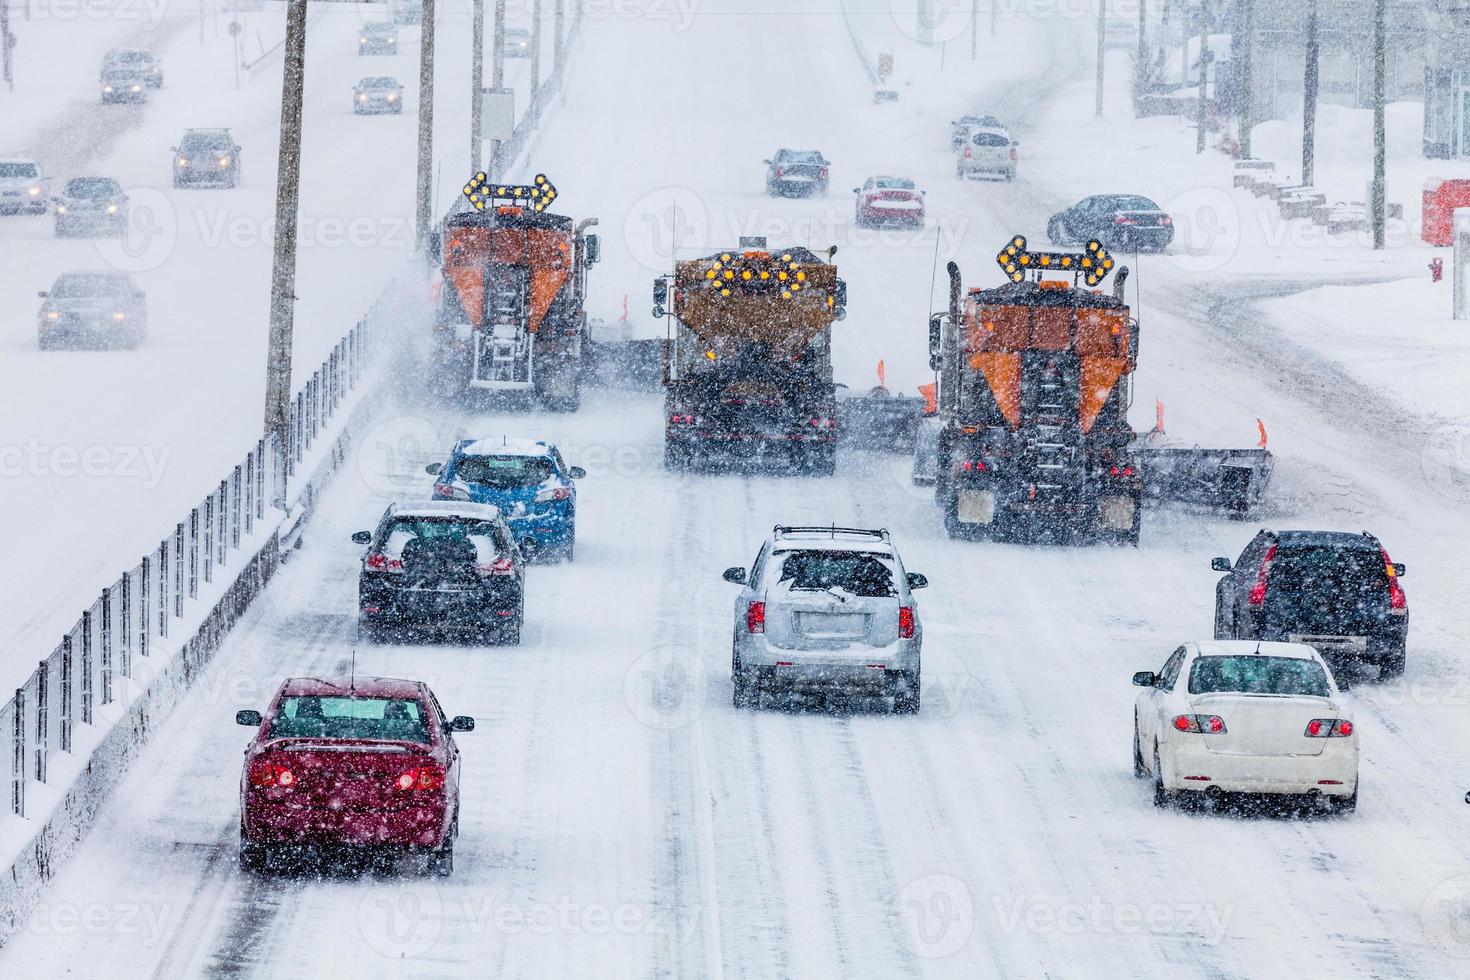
(367, 763)
(889, 201)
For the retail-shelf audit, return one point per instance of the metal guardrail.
(132, 615)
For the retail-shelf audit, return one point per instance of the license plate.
(1352, 643)
(831, 624)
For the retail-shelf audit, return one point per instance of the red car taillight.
(680, 419)
(1398, 603)
(429, 777)
(755, 617)
(1258, 591)
(821, 423)
(1121, 471)
(500, 566)
(1013, 154)
(265, 774)
(1328, 728)
(824, 173)
(1199, 724)
(779, 171)
(968, 153)
(974, 466)
(1123, 219)
(905, 623)
(379, 562)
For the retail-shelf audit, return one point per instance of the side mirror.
(735, 575)
(1399, 570)
(766, 162)
(1015, 142)
(362, 537)
(174, 148)
(857, 190)
(918, 580)
(1220, 564)
(250, 719)
(594, 249)
(577, 473)
(842, 294)
(42, 294)
(461, 723)
(433, 469)
(1144, 678)
(436, 246)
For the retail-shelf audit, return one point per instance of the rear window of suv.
(1258, 675)
(504, 472)
(1328, 570)
(486, 537)
(858, 574)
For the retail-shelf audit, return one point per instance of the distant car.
(377, 93)
(827, 608)
(961, 128)
(986, 150)
(135, 61)
(93, 309)
(1232, 717)
(206, 158)
(378, 37)
(445, 565)
(365, 763)
(406, 11)
(527, 480)
(23, 187)
(1335, 591)
(795, 173)
(517, 42)
(124, 84)
(889, 201)
(92, 206)
(1122, 222)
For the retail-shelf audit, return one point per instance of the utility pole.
(1309, 96)
(1140, 69)
(283, 261)
(5, 42)
(1246, 79)
(1102, 50)
(497, 74)
(535, 106)
(975, 28)
(1377, 207)
(558, 21)
(1204, 78)
(477, 81)
(425, 197)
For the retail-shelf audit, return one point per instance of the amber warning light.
(537, 195)
(1092, 264)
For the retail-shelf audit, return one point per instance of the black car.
(91, 206)
(793, 173)
(1122, 222)
(1336, 591)
(445, 564)
(206, 158)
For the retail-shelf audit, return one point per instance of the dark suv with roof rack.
(1336, 591)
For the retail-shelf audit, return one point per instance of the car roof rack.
(831, 529)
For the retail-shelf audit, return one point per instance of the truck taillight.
(823, 423)
(1013, 154)
(1328, 728)
(1258, 591)
(755, 617)
(974, 466)
(379, 562)
(1121, 471)
(500, 566)
(264, 774)
(679, 419)
(1398, 603)
(429, 777)
(905, 623)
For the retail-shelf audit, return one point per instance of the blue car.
(528, 481)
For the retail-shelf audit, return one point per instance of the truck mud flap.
(1231, 480)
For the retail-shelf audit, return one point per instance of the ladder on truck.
(1050, 389)
(505, 349)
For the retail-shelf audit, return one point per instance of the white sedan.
(1233, 716)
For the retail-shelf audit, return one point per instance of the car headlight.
(119, 315)
(35, 191)
(53, 315)
(362, 98)
(112, 209)
(392, 39)
(392, 97)
(224, 161)
(362, 40)
(61, 209)
(137, 88)
(183, 161)
(107, 88)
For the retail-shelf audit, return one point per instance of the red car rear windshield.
(394, 719)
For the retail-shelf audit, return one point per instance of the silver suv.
(827, 608)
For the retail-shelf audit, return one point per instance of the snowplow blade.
(879, 422)
(1232, 480)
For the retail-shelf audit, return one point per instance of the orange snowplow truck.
(1035, 383)
(511, 313)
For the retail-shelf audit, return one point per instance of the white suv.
(827, 608)
(23, 187)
